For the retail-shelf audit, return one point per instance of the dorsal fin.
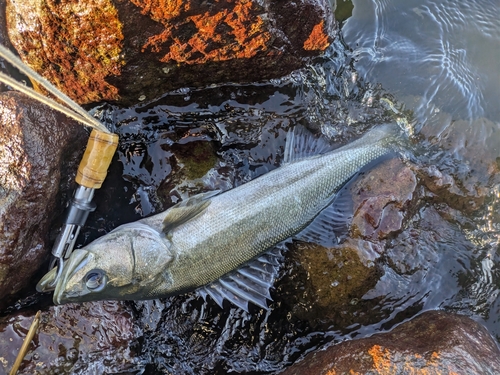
(301, 143)
(250, 283)
(186, 210)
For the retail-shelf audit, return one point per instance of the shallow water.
(232, 134)
(441, 60)
(436, 60)
(445, 258)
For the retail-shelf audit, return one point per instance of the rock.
(4, 40)
(333, 281)
(189, 162)
(445, 189)
(197, 158)
(381, 198)
(327, 285)
(432, 343)
(470, 165)
(130, 51)
(91, 338)
(34, 144)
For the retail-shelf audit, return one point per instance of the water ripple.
(445, 53)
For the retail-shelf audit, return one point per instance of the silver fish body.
(208, 236)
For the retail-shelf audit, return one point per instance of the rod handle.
(96, 160)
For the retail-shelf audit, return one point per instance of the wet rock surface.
(4, 40)
(36, 145)
(325, 286)
(435, 342)
(93, 338)
(130, 51)
(473, 144)
(380, 205)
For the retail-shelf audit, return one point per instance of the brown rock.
(380, 199)
(466, 198)
(34, 143)
(432, 343)
(92, 338)
(331, 283)
(130, 51)
(3, 24)
(476, 145)
(4, 40)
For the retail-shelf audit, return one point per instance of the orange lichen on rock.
(162, 9)
(234, 31)
(318, 40)
(73, 44)
(381, 359)
(408, 363)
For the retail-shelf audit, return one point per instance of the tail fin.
(386, 134)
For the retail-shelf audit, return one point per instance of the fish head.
(126, 263)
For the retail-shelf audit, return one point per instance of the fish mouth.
(46, 283)
(62, 293)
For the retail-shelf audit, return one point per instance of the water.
(444, 258)
(436, 63)
(441, 60)
(445, 53)
(232, 133)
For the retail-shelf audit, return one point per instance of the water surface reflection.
(445, 52)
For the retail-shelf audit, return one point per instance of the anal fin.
(250, 283)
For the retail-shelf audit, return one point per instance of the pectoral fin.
(250, 283)
(187, 210)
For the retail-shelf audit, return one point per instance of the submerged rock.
(333, 281)
(432, 343)
(462, 177)
(130, 51)
(34, 144)
(91, 338)
(380, 203)
(326, 285)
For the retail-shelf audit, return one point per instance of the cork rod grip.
(96, 159)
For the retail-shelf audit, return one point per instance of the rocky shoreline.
(136, 52)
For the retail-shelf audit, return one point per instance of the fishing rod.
(93, 167)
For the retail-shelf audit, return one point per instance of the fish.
(223, 244)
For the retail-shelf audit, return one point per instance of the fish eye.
(95, 280)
